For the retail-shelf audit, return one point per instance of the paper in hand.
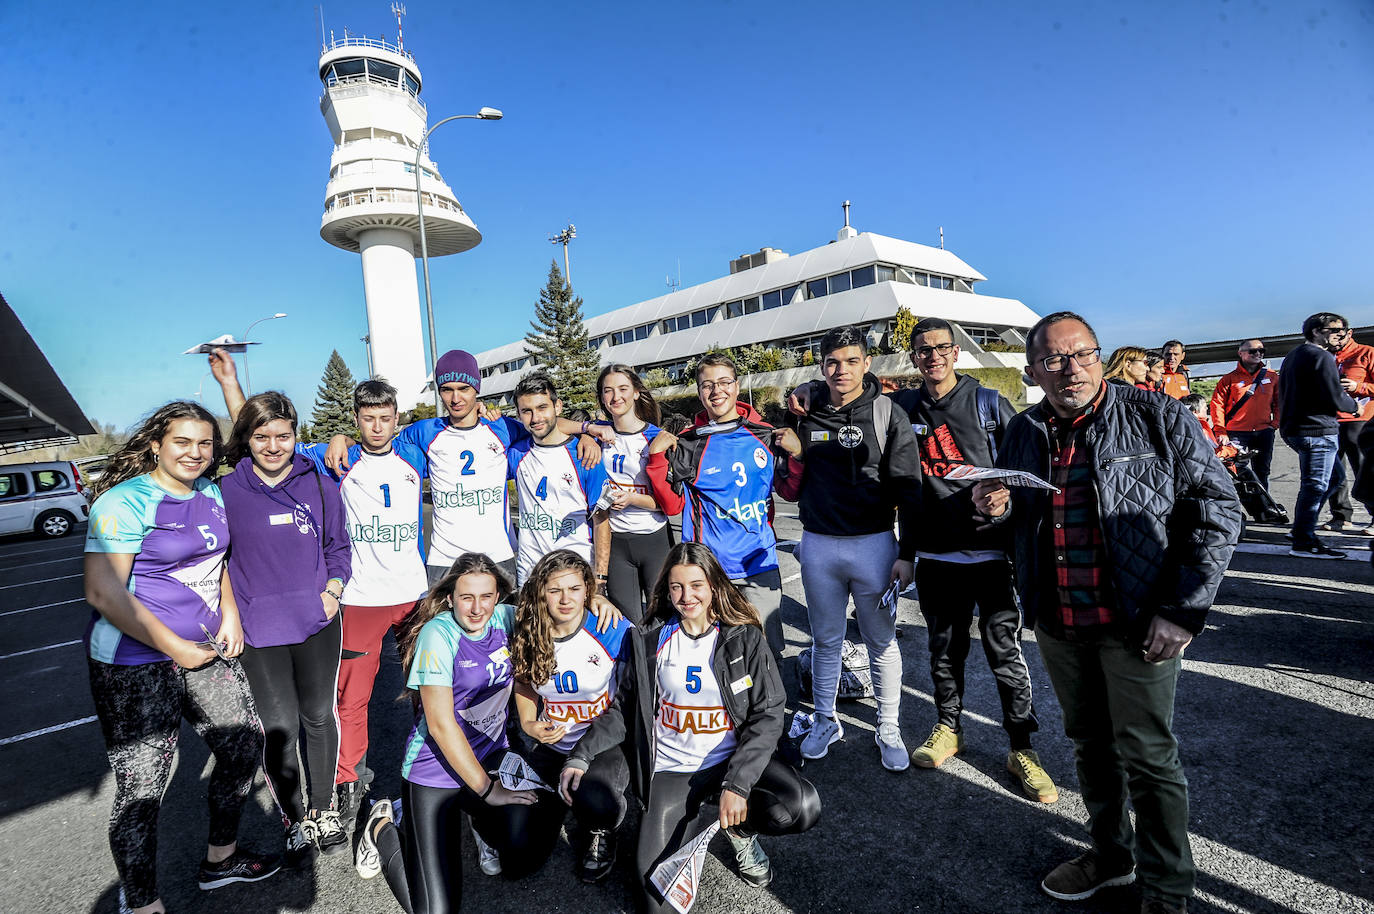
(1008, 477)
(677, 877)
(889, 598)
(516, 774)
(212, 642)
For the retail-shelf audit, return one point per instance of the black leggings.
(295, 687)
(636, 560)
(781, 803)
(599, 801)
(427, 876)
(140, 709)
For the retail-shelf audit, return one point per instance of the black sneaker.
(1316, 551)
(329, 831)
(350, 801)
(240, 866)
(600, 856)
(300, 843)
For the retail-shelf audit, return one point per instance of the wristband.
(602, 577)
(584, 427)
(491, 785)
(338, 597)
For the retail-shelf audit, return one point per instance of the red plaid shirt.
(1082, 593)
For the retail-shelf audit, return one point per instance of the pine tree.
(334, 401)
(558, 343)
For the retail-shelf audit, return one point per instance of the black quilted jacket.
(1168, 509)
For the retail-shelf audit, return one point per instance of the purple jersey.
(178, 544)
(478, 669)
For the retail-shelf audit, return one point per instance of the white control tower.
(371, 103)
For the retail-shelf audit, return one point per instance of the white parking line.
(35, 650)
(46, 730)
(15, 612)
(1354, 555)
(71, 558)
(65, 577)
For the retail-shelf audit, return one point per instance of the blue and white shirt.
(585, 678)
(556, 496)
(624, 460)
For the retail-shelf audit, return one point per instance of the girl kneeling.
(704, 710)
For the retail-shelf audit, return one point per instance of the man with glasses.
(1355, 363)
(1310, 396)
(719, 476)
(1119, 565)
(1245, 408)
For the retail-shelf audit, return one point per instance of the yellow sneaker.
(1036, 784)
(939, 748)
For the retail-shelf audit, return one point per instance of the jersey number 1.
(386, 494)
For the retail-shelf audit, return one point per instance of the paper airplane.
(677, 878)
(225, 342)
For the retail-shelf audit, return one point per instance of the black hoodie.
(950, 434)
(849, 486)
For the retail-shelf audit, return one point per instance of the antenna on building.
(942, 237)
(673, 284)
(320, 10)
(847, 231)
(563, 237)
(399, 9)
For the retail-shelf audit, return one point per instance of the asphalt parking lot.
(1275, 717)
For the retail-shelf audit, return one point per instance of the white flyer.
(676, 878)
(516, 774)
(1008, 477)
(889, 598)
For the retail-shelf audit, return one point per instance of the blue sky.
(1191, 169)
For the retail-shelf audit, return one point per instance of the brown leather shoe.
(1082, 876)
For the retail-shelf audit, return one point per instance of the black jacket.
(742, 658)
(1310, 393)
(1167, 508)
(848, 485)
(949, 433)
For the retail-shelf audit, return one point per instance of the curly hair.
(257, 411)
(531, 649)
(728, 605)
(440, 599)
(136, 456)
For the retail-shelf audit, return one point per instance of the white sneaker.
(369, 861)
(824, 731)
(487, 857)
(889, 740)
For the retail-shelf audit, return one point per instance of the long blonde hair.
(531, 650)
(438, 600)
(1116, 364)
(136, 456)
(728, 605)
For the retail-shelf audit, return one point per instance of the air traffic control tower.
(371, 103)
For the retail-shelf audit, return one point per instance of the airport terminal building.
(789, 302)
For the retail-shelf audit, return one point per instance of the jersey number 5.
(694, 679)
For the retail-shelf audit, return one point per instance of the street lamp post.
(247, 381)
(483, 114)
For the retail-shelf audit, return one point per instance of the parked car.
(47, 498)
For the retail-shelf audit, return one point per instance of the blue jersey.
(557, 497)
(468, 470)
(727, 480)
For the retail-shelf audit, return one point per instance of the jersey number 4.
(542, 490)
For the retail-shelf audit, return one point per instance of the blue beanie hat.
(460, 366)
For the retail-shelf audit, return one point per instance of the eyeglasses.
(707, 387)
(926, 352)
(1259, 351)
(1084, 358)
(1335, 331)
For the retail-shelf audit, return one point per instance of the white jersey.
(382, 506)
(556, 497)
(624, 460)
(585, 678)
(467, 482)
(691, 729)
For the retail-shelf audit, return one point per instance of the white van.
(46, 498)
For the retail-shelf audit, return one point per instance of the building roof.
(35, 406)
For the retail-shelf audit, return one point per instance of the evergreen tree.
(334, 401)
(558, 343)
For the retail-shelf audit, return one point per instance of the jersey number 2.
(467, 467)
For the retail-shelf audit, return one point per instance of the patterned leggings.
(140, 710)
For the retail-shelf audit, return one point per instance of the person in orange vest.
(1175, 372)
(1245, 407)
(1355, 362)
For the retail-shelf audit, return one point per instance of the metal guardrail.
(353, 41)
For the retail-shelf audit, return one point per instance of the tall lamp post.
(483, 114)
(247, 381)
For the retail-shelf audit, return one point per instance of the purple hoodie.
(279, 562)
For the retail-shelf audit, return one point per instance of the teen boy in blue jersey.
(558, 498)
(466, 456)
(719, 476)
(854, 467)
